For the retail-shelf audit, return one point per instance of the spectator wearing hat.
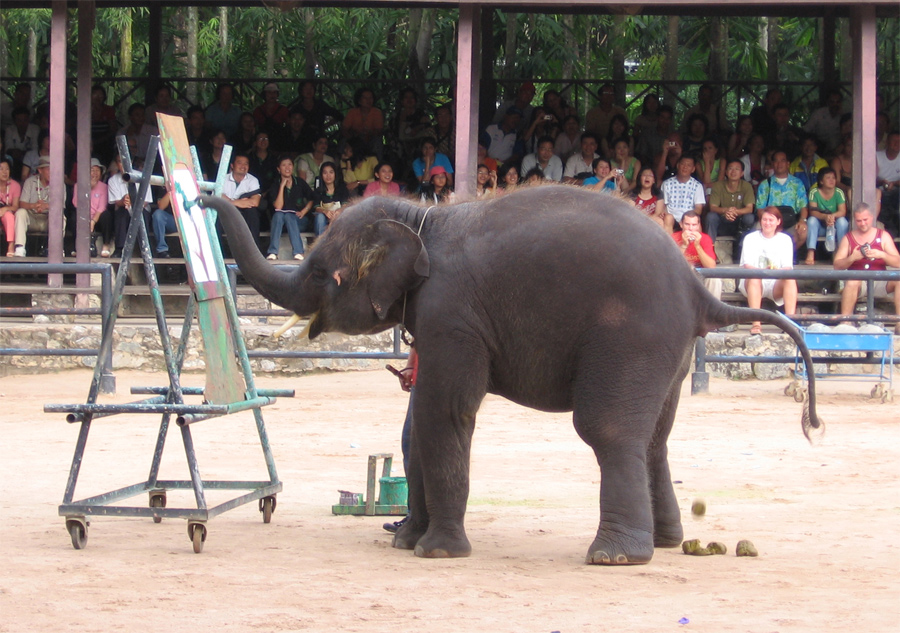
(429, 159)
(504, 140)
(34, 205)
(522, 103)
(99, 199)
(438, 188)
(271, 116)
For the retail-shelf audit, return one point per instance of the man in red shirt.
(697, 248)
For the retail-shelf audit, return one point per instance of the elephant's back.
(573, 233)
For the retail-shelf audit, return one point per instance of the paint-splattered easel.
(229, 385)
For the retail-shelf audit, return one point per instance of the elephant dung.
(745, 548)
(698, 508)
(717, 548)
(693, 548)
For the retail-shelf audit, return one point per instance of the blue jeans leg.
(841, 228)
(406, 433)
(321, 221)
(812, 236)
(304, 225)
(163, 222)
(712, 225)
(292, 223)
(275, 232)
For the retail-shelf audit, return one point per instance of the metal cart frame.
(169, 401)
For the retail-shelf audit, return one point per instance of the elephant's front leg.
(448, 394)
(417, 518)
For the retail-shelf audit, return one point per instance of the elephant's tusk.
(288, 325)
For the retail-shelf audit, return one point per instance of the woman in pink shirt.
(384, 184)
(10, 191)
(99, 201)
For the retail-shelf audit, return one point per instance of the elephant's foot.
(409, 534)
(615, 548)
(668, 535)
(439, 544)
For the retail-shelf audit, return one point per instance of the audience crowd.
(295, 164)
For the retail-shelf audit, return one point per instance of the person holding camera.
(697, 248)
(866, 247)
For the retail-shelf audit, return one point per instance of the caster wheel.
(267, 507)
(800, 395)
(877, 391)
(887, 396)
(197, 534)
(157, 500)
(791, 388)
(77, 528)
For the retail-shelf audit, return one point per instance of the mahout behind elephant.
(554, 297)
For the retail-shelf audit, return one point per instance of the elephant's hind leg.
(667, 529)
(616, 411)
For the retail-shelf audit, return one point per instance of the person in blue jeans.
(407, 376)
(292, 203)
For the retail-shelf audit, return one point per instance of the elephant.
(553, 297)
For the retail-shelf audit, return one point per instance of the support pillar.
(468, 81)
(154, 53)
(829, 52)
(488, 94)
(86, 14)
(862, 27)
(58, 39)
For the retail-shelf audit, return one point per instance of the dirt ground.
(824, 519)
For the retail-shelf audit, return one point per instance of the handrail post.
(107, 378)
(700, 377)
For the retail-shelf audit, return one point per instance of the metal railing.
(105, 270)
(700, 377)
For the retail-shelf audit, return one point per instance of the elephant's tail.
(721, 314)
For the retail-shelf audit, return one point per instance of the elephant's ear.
(394, 261)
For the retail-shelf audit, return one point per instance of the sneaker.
(20, 251)
(393, 527)
(161, 255)
(272, 257)
(299, 257)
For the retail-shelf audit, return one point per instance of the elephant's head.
(355, 277)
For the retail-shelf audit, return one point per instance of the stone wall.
(140, 347)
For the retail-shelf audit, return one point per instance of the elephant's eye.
(320, 275)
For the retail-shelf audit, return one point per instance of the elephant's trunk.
(275, 285)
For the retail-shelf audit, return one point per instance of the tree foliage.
(359, 46)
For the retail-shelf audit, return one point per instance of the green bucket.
(393, 491)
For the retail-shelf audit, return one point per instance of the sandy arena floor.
(824, 519)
